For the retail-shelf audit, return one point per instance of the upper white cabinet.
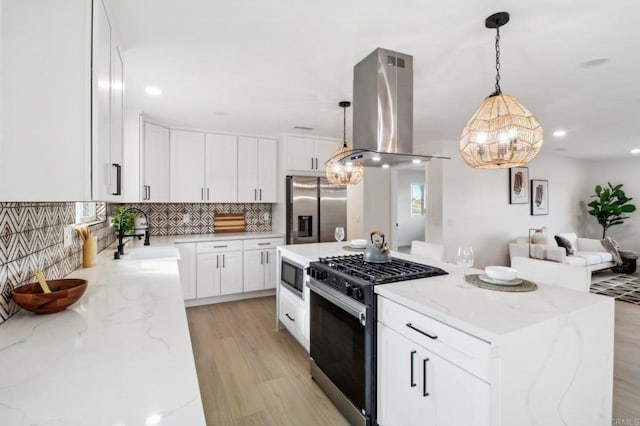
(154, 162)
(187, 166)
(107, 109)
(308, 154)
(203, 167)
(46, 97)
(257, 170)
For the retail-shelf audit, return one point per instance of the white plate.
(490, 280)
(356, 247)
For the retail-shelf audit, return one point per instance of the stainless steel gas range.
(343, 328)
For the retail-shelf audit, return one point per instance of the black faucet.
(120, 251)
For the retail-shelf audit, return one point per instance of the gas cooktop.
(381, 273)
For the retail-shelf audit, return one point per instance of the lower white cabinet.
(259, 269)
(417, 386)
(219, 274)
(292, 314)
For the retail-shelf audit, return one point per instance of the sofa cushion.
(563, 242)
(576, 261)
(572, 237)
(593, 257)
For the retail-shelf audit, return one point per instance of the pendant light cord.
(498, 89)
(344, 126)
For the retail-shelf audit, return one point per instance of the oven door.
(341, 344)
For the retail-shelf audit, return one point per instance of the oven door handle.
(353, 308)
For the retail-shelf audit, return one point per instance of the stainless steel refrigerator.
(315, 208)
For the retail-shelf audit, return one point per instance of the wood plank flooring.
(249, 374)
(626, 372)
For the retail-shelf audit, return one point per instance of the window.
(89, 212)
(417, 200)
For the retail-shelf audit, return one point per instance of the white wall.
(476, 210)
(626, 172)
(409, 227)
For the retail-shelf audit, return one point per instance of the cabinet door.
(300, 154)
(187, 268)
(231, 272)
(155, 161)
(267, 170)
(187, 166)
(221, 168)
(270, 278)
(101, 112)
(253, 270)
(324, 151)
(455, 396)
(247, 169)
(208, 275)
(117, 122)
(400, 381)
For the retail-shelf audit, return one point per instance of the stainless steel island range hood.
(383, 111)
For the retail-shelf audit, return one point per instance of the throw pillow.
(612, 246)
(563, 242)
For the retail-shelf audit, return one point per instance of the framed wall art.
(539, 197)
(518, 185)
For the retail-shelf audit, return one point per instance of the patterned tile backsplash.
(31, 236)
(168, 218)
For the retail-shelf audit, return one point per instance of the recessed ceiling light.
(635, 151)
(153, 419)
(416, 161)
(375, 158)
(559, 133)
(153, 91)
(385, 166)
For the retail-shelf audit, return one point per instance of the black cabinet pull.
(261, 257)
(311, 163)
(223, 261)
(430, 336)
(267, 253)
(413, 384)
(260, 194)
(217, 261)
(118, 179)
(289, 316)
(424, 377)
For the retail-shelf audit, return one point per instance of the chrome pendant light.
(349, 173)
(502, 133)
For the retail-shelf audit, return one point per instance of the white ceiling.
(262, 67)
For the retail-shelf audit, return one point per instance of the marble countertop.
(483, 313)
(121, 355)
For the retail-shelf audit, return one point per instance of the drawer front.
(219, 246)
(292, 313)
(466, 351)
(263, 243)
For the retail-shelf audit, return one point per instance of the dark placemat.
(356, 249)
(474, 279)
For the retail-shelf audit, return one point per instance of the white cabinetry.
(307, 154)
(203, 167)
(292, 314)
(219, 268)
(187, 268)
(257, 170)
(420, 381)
(260, 263)
(107, 112)
(154, 161)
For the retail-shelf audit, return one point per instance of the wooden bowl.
(64, 292)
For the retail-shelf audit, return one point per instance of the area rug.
(625, 288)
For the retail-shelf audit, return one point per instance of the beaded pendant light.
(350, 173)
(502, 133)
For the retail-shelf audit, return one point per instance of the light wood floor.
(626, 382)
(249, 374)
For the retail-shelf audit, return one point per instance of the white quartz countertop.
(194, 238)
(121, 355)
(483, 313)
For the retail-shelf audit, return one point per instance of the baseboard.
(229, 298)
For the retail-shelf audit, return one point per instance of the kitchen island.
(121, 355)
(483, 357)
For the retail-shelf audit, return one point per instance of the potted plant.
(609, 206)
(127, 219)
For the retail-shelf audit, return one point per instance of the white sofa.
(590, 253)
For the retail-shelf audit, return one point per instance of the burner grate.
(380, 273)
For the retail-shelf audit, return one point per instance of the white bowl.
(358, 243)
(501, 273)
